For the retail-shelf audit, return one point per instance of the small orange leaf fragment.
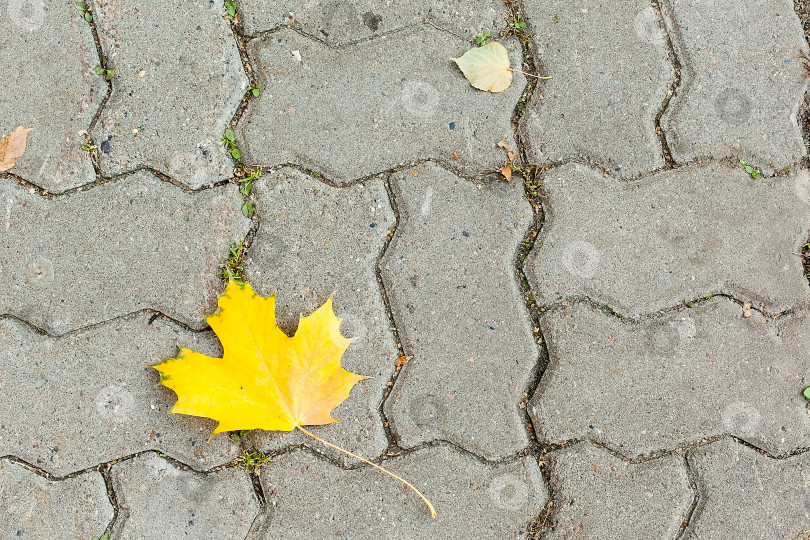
(12, 146)
(509, 152)
(454, 156)
(506, 172)
(401, 361)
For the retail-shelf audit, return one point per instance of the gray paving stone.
(178, 82)
(673, 237)
(314, 499)
(49, 85)
(745, 494)
(315, 240)
(362, 109)
(610, 73)
(156, 500)
(339, 22)
(89, 397)
(36, 508)
(741, 83)
(671, 381)
(88, 257)
(450, 277)
(598, 495)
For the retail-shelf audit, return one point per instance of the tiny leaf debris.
(506, 171)
(266, 379)
(12, 146)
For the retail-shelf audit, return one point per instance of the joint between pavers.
(155, 315)
(533, 312)
(690, 512)
(686, 304)
(673, 87)
(103, 181)
(102, 62)
(247, 67)
(393, 445)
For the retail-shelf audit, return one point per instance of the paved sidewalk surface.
(613, 345)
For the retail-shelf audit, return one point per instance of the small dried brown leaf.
(507, 172)
(509, 152)
(401, 361)
(12, 146)
(454, 156)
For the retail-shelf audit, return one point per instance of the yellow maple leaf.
(266, 379)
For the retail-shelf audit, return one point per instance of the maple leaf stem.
(527, 74)
(386, 471)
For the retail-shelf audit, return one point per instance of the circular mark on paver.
(341, 18)
(39, 272)
(508, 492)
(802, 186)
(647, 27)
(115, 403)
(669, 336)
(28, 14)
(420, 98)
(733, 106)
(581, 259)
(740, 418)
(427, 410)
(353, 327)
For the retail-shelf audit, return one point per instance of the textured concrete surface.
(774, 494)
(314, 499)
(157, 500)
(90, 256)
(450, 276)
(89, 397)
(58, 102)
(178, 81)
(338, 22)
(315, 240)
(505, 327)
(610, 72)
(600, 496)
(393, 100)
(35, 507)
(674, 380)
(673, 237)
(736, 100)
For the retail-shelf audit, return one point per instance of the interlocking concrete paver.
(676, 236)
(745, 494)
(598, 495)
(88, 257)
(316, 240)
(58, 101)
(741, 83)
(178, 82)
(674, 380)
(89, 397)
(364, 108)
(156, 500)
(34, 507)
(334, 21)
(313, 499)
(610, 72)
(450, 277)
